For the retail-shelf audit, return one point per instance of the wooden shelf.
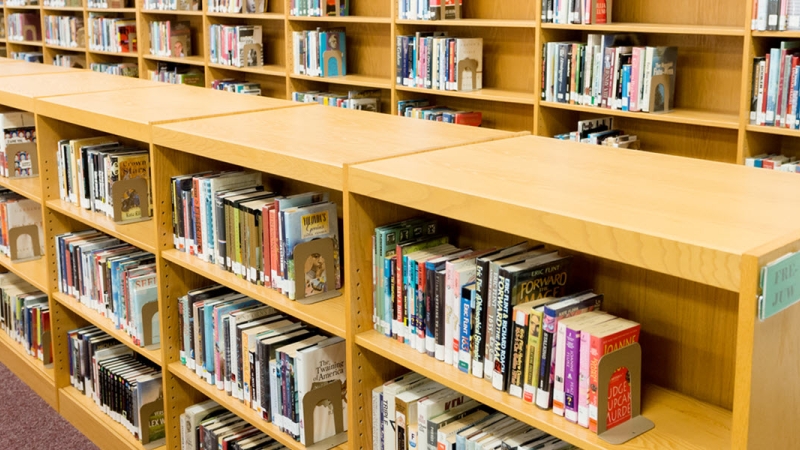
(28, 187)
(319, 159)
(652, 28)
(26, 68)
(328, 315)
(274, 70)
(235, 406)
(681, 422)
(177, 13)
(494, 23)
(773, 130)
(121, 54)
(29, 7)
(28, 43)
(33, 271)
(263, 16)
(105, 324)
(111, 10)
(86, 416)
(140, 234)
(62, 47)
(794, 34)
(684, 116)
(341, 19)
(39, 378)
(349, 80)
(190, 60)
(62, 8)
(497, 95)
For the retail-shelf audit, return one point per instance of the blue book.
(626, 83)
(465, 327)
(304, 224)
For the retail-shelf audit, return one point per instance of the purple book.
(571, 371)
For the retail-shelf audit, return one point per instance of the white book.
(432, 406)
(317, 365)
(390, 391)
(377, 418)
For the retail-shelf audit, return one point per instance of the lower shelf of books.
(28, 369)
(86, 416)
(33, 271)
(28, 187)
(105, 324)
(680, 421)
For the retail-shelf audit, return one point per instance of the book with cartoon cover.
(303, 224)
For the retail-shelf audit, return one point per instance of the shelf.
(61, 47)
(793, 34)
(112, 10)
(84, 414)
(28, 43)
(26, 68)
(2, 40)
(39, 378)
(773, 130)
(121, 54)
(190, 60)
(263, 16)
(235, 406)
(30, 7)
(654, 28)
(288, 147)
(329, 315)
(661, 215)
(28, 187)
(274, 70)
(684, 116)
(105, 324)
(140, 234)
(341, 19)
(176, 12)
(495, 95)
(349, 80)
(62, 8)
(681, 422)
(33, 271)
(494, 23)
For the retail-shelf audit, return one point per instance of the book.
(317, 366)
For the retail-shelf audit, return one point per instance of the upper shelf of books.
(688, 218)
(132, 111)
(322, 140)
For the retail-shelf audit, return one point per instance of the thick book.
(317, 366)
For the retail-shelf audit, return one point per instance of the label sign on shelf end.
(780, 285)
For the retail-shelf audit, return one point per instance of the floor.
(27, 422)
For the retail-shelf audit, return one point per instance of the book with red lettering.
(602, 340)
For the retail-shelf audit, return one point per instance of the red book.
(789, 119)
(602, 15)
(606, 338)
(469, 118)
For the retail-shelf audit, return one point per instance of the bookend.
(149, 310)
(331, 395)
(629, 357)
(148, 410)
(25, 159)
(131, 200)
(315, 271)
(14, 234)
(660, 94)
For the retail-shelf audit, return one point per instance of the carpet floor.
(27, 422)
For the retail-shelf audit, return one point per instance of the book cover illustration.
(304, 224)
(662, 82)
(180, 39)
(25, 158)
(333, 53)
(151, 410)
(317, 367)
(250, 43)
(130, 187)
(469, 68)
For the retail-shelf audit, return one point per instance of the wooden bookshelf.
(28, 369)
(27, 187)
(33, 271)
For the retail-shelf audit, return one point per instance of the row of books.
(236, 45)
(101, 174)
(176, 74)
(422, 109)
(66, 31)
(209, 426)
(320, 53)
(585, 12)
(22, 236)
(168, 38)
(266, 359)
(236, 86)
(24, 27)
(366, 100)
(21, 2)
(230, 219)
(601, 131)
(122, 69)
(112, 34)
(610, 71)
(413, 412)
(113, 278)
(76, 61)
(63, 3)
(171, 5)
(108, 4)
(123, 384)
(781, 163)
(237, 6)
(775, 15)
(319, 8)
(775, 87)
(25, 316)
(34, 57)
(433, 60)
(429, 9)
(17, 128)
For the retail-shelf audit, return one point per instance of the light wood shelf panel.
(28, 187)
(274, 70)
(263, 16)
(681, 422)
(23, 68)
(62, 8)
(663, 219)
(69, 49)
(111, 10)
(791, 34)
(28, 43)
(685, 116)
(773, 130)
(341, 19)
(120, 54)
(494, 23)
(497, 95)
(26, 7)
(175, 13)
(28, 369)
(315, 158)
(190, 60)
(86, 416)
(349, 80)
(33, 271)
(650, 28)
(104, 324)
(134, 110)
(140, 234)
(328, 315)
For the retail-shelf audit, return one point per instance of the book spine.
(430, 316)
(520, 332)
(635, 87)
(571, 374)
(773, 11)
(464, 357)
(479, 317)
(502, 325)
(439, 305)
(491, 318)
(543, 388)
(558, 378)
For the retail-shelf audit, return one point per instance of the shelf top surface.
(12, 70)
(134, 110)
(680, 216)
(327, 137)
(8, 60)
